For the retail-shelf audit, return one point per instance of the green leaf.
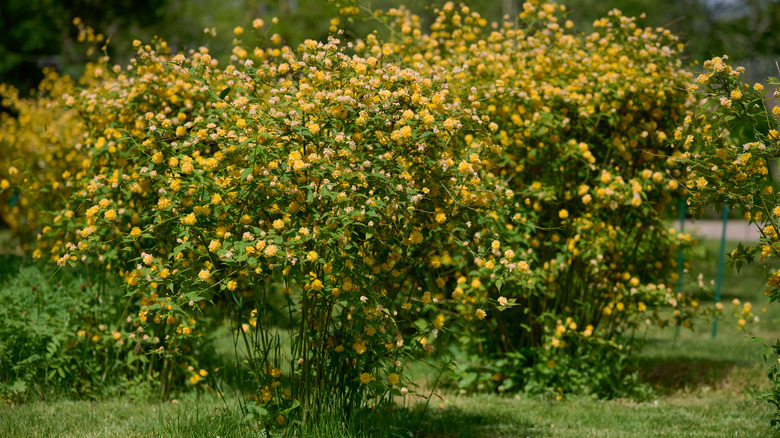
(295, 405)
(224, 93)
(754, 339)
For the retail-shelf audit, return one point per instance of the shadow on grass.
(683, 373)
(492, 419)
(488, 420)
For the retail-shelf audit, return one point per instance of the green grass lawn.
(703, 387)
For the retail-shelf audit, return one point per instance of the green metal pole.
(720, 266)
(680, 259)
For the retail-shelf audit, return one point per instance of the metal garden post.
(720, 265)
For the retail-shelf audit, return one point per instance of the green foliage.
(64, 336)
(772, 356)
(47, 333)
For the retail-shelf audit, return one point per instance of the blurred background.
(39, 33)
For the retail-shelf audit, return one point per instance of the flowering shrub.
(583, 123)
(304, 190)
(349, 203)
(736, 139)
(36, 139)
(41, 149)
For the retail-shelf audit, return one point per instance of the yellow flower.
(238, 30)
(588, 331)
(110, 215)
(189, 219)
(365, 378)
(135, 232)
(312, 256)
(480, 314)
(416, 237)
(523, 266)
(393, 379)
(270, 250)
(457, 293)
(563, 213)
(204, 274)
